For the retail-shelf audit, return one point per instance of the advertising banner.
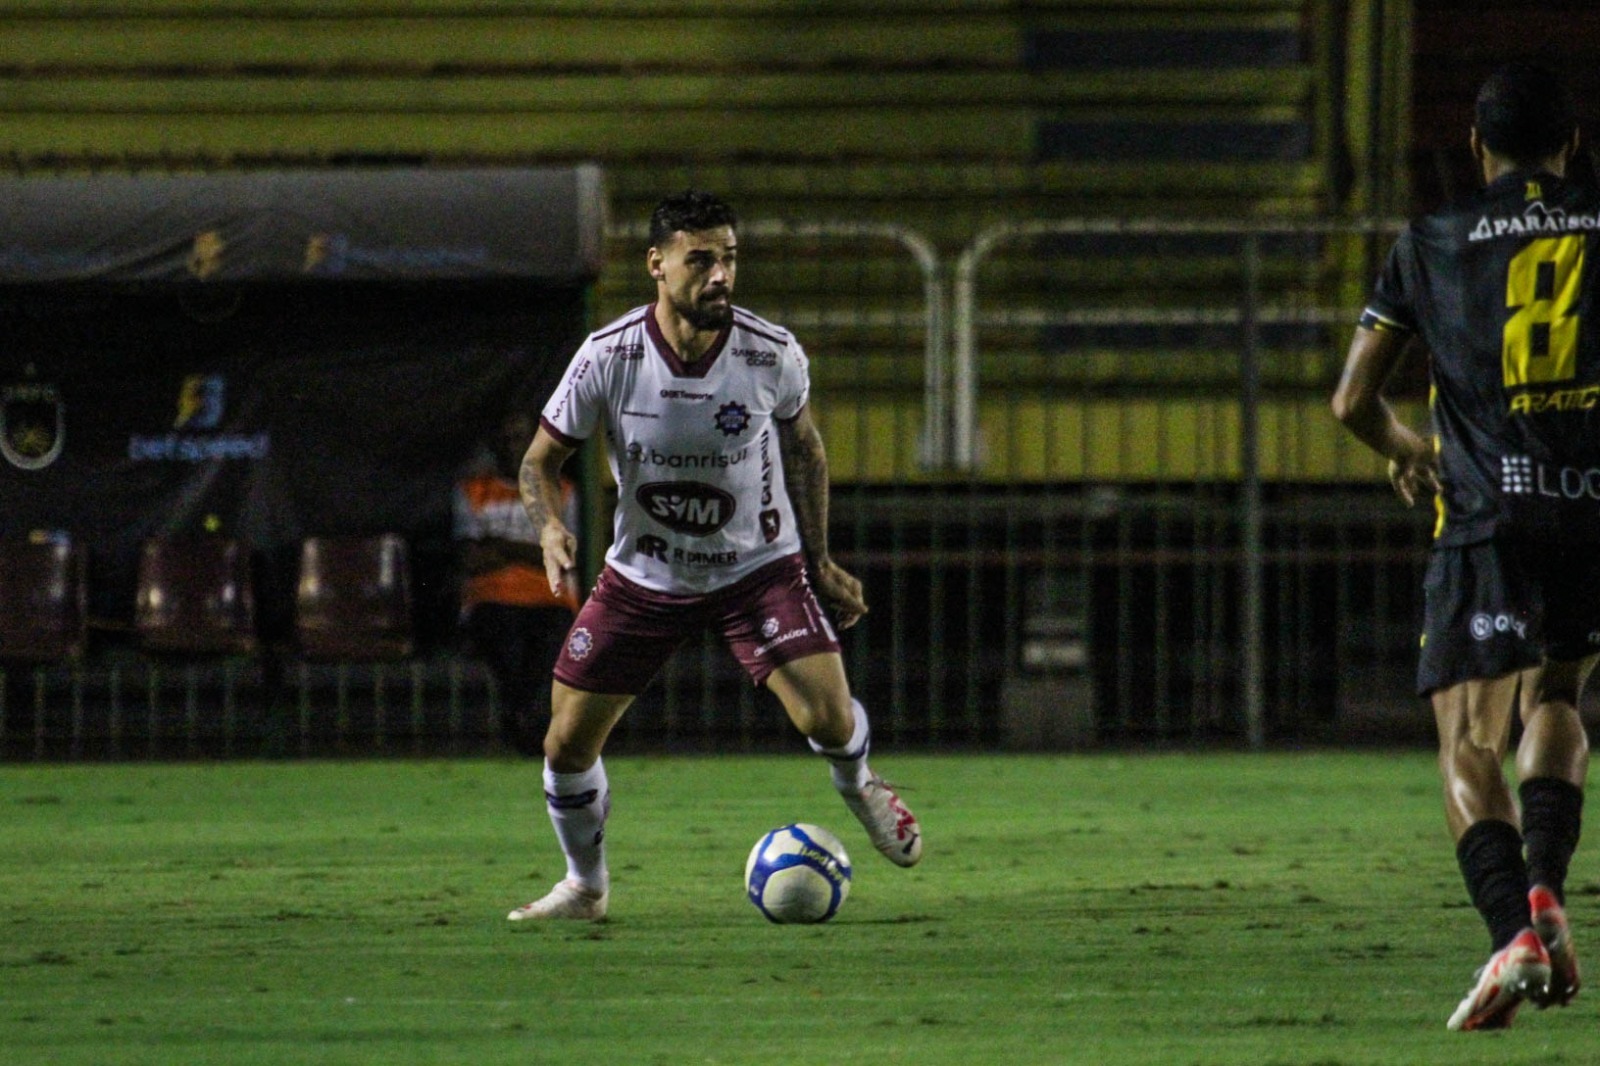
(276, 398)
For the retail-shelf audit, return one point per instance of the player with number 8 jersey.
(1501, 289)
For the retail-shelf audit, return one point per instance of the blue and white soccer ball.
(798, 873)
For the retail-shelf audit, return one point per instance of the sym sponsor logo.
(686, 506)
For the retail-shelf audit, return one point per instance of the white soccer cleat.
(567, 900)
(890, 825)
(1512, 974)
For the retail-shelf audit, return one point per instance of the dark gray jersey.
(1501, 288)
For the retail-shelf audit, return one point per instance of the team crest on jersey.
(733, 419)
(580, 644)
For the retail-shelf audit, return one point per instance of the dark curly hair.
(689, 211)
(1524, 113)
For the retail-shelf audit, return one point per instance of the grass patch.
(1105, 909)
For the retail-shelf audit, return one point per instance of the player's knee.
(566, 759)
(832, 725)
(567, 754)
(1463, 757)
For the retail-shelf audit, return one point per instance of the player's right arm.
(1358, 402)
(539, 483)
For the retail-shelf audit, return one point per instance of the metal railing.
(1249, 314)
(1107, 546)
(934, 446)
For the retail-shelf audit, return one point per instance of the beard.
(705, 316)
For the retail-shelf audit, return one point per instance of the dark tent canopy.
(541, 225)
(275, 355)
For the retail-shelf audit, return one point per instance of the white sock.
(848, 764)
(579, 804)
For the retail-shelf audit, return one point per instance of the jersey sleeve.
(1390, 308)
(794, 383)
(574, 408)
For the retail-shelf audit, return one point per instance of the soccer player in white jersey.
(722, 522)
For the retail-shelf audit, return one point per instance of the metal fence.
(1143, 524)
(1088, 477)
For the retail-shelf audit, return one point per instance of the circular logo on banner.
(33, 425)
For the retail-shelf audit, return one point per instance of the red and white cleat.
(1550, 922)
(1511, 975)
(889, 823)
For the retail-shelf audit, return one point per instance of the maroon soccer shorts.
(625, 633)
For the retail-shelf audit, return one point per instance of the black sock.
(1552, 818)
(1490, 854)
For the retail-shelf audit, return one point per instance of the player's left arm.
(805, 476)
(1358, 402)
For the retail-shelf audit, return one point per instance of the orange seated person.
(515, 623)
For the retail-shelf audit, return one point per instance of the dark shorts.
(625, 633)
(1500, 606)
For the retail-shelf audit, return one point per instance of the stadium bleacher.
(943, 117)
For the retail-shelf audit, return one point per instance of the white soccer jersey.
(693, 446)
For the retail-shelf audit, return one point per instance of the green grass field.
(1104, 909)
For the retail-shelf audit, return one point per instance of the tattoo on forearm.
(805, 475)
(533, 500)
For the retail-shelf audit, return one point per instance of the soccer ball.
(797, 874)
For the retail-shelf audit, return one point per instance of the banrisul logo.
(686, 506)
